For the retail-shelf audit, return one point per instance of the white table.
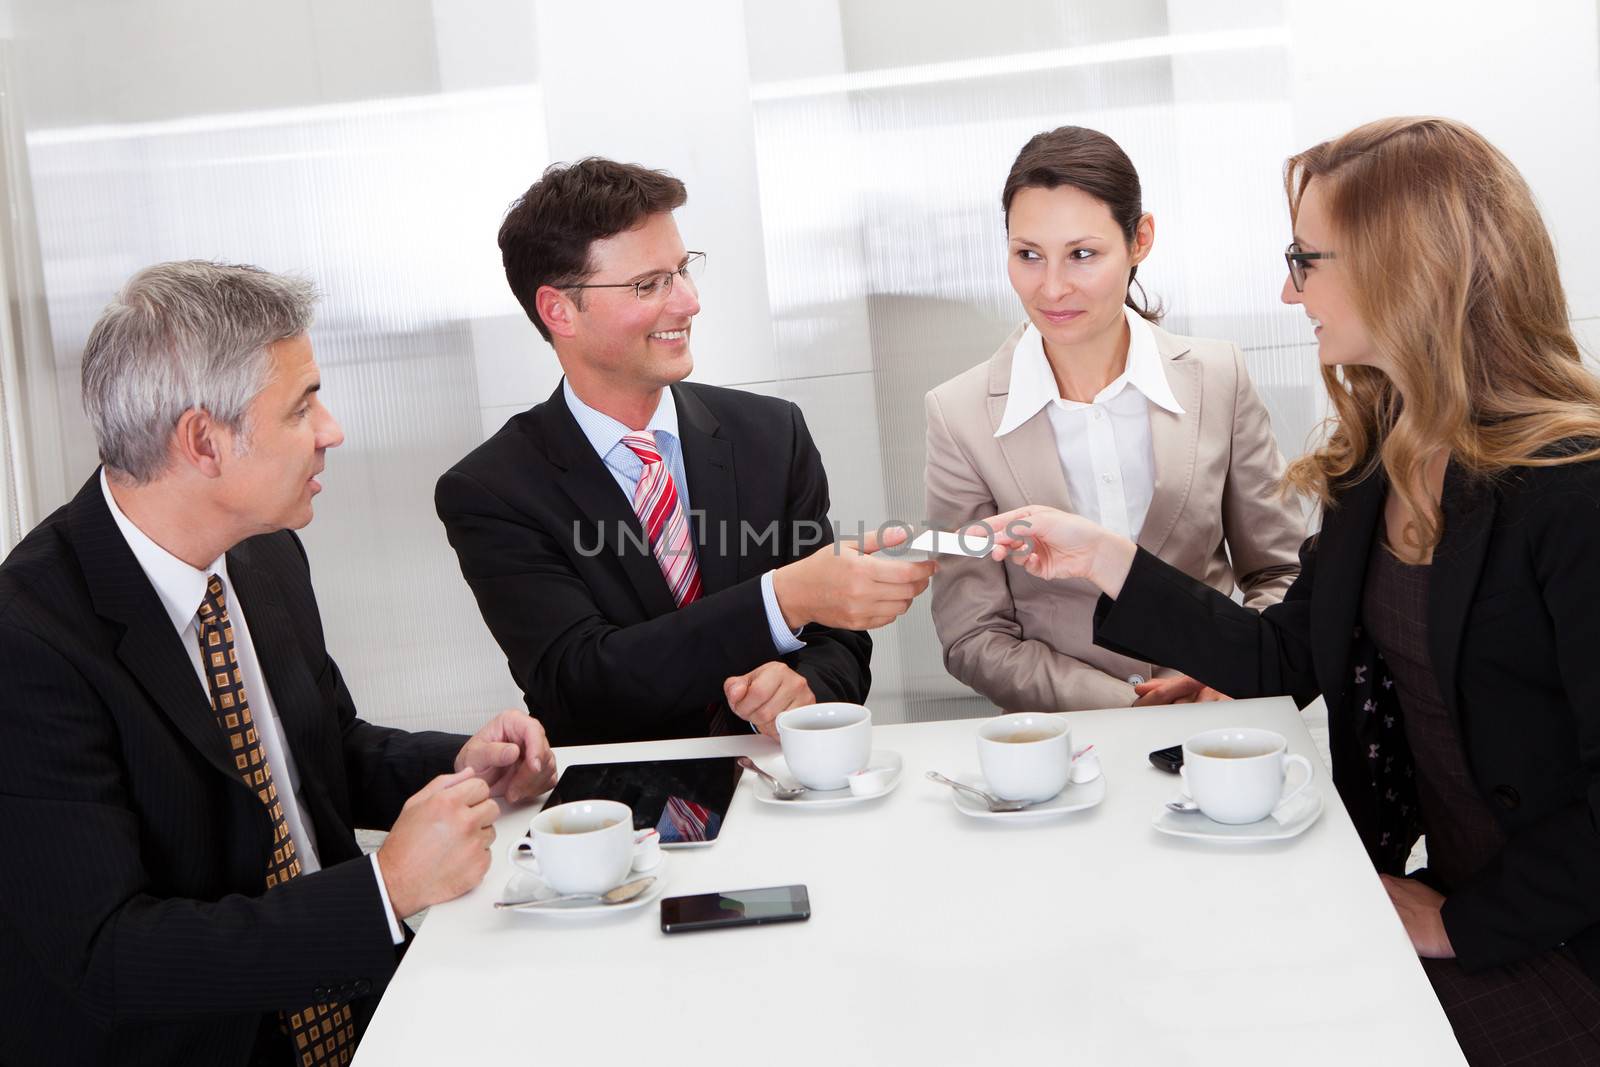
(940, 939)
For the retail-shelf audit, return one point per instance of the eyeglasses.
(655, 288)
(1297, 258)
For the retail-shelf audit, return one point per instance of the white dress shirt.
(605, 437)
(181, 589)
(1104, 445)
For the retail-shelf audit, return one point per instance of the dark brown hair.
(547, 232)
(1088, 160)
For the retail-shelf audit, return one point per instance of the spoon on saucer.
(993, 803)
(779, 790)
(620, 895)
(1183, 807)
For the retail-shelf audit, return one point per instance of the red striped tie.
(655, 501)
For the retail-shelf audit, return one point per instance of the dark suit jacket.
(134, 923)
(1514, 636)
(565, 579)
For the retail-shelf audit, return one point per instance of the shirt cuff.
(396, 931)
(784, 639)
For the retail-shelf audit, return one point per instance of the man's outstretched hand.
(511, 755)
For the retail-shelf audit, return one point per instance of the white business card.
(971, 545)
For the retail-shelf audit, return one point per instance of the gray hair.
(190, 334)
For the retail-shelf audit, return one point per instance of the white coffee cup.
(586, 846)
(1025, 756)
(646, 852)
(822, 743)
(1236, 774)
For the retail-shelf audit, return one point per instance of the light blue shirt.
(605, 437)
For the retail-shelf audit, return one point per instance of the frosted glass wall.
(375, 202)
(843, 158)
(887, 253)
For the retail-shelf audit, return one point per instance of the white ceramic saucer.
(527, 885)
(1075, 797)
(825, 798)
(1194, 824)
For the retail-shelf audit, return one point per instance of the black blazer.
(134, 923)
(1514, 636)
(565, 579)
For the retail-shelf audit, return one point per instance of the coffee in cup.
(823, 743)
(1236, 775)
(1025, 756)
(586, 846)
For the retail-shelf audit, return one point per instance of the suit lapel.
(149, 647)
(608, 514)
(1030, 449)
(1174, 444)
(713, 490)
(1468, 511)
(295, 700)
(303, 717)
(1343, 546)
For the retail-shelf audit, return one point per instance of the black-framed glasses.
(657, 287)
(1297, 258)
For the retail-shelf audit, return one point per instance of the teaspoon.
(993, 803)
(779, 790)
(620, 895)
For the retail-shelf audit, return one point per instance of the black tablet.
(686, 800)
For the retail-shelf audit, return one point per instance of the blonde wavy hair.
(1454, 275)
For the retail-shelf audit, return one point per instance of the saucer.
(1196, 825)
(826, 798)
(1075, 797)
(527, 885)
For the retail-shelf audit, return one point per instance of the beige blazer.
(1025, 643)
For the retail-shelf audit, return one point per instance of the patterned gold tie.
(320, 1033)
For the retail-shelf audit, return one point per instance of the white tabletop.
(936, 938)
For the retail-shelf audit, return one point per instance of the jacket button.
(1508, 797)
(363, 987)
(1135, 679)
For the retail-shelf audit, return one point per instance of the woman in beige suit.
(1091, 407)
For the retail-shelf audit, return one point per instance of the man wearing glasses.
(645, 549)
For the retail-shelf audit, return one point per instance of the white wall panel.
(1526, 76)
(1588, 334)
(668, 86)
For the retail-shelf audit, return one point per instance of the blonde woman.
(1448, 609)
(1092, 406)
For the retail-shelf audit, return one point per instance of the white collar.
(604, 432)
(180, 586)
(1033, 385)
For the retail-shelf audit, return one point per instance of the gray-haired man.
(181, 765)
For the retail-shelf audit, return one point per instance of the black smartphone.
(1168, 759)
(740, 907)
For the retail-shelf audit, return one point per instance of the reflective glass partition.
(364, 154)
(844, 160)
(886, 254)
